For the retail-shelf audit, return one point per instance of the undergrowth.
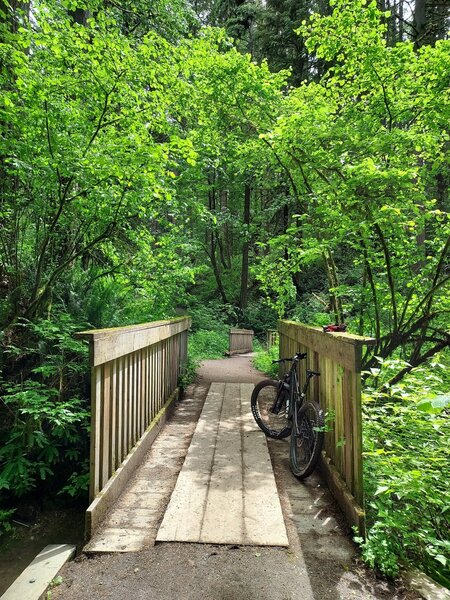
(263, 359)
(203, 345)
(406, 472)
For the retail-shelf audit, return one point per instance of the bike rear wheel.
(268, 405)
(306, 439)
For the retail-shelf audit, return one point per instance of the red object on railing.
(335, 328)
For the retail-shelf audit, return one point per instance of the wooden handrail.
(338, 358)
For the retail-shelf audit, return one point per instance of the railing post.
(271, 338)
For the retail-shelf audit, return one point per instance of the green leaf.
(382, 489)
(434, 405)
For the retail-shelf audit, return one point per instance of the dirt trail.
(238, 369)
(320, 563)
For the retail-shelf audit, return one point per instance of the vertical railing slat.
(106, 423)
(113, 438)
(119, 412)
(126, 404)
(96, 399)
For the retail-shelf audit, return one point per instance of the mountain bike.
(280, 409)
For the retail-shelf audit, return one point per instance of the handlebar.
(298, 356)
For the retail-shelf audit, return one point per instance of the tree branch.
(387, 260)
(386, 101)
(421, 359)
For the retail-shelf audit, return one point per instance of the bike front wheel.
(268, 405)
(306, 439)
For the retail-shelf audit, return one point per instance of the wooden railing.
(134, 379)
(241, 340)
(337, 356)
(272, 338)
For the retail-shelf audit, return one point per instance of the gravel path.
(320, 564)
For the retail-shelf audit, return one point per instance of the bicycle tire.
(263, 398)
(306, 439)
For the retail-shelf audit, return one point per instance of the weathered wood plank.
(35, 579)
(355, 394)
(184, 515)
(126, 411)
(223, 520)
(340, 433)
(96, 387)
(119, 412)
(425, 586)
(147, 386)
(328, 403)
(108, 344)
(348, 428)
(263, 519)
(113, 427)
(153, 379)
(247, 420)
(348, 503)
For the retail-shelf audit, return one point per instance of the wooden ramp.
(226, 491)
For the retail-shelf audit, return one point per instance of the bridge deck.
(226, 491)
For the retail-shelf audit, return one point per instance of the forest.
(239, 161)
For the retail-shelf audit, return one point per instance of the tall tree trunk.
(11, 12)
(213, 236)
(227, 235)
(420, 22)
(245, 249)
(216, 270)
(400, 21)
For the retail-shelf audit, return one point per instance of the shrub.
(407, 469)
(205, 344)
(44, 431)
(212, 316)
(263, 361)
(258, 316)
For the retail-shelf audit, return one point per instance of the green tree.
(337, 138)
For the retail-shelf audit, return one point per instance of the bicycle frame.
(296, 396)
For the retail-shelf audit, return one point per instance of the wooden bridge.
(227, 471)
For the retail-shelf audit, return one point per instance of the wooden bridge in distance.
(134, 386)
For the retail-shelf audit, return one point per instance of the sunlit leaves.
(364, 146)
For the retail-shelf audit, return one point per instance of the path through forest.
(318, 565)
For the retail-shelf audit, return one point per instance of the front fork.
(278, 404)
